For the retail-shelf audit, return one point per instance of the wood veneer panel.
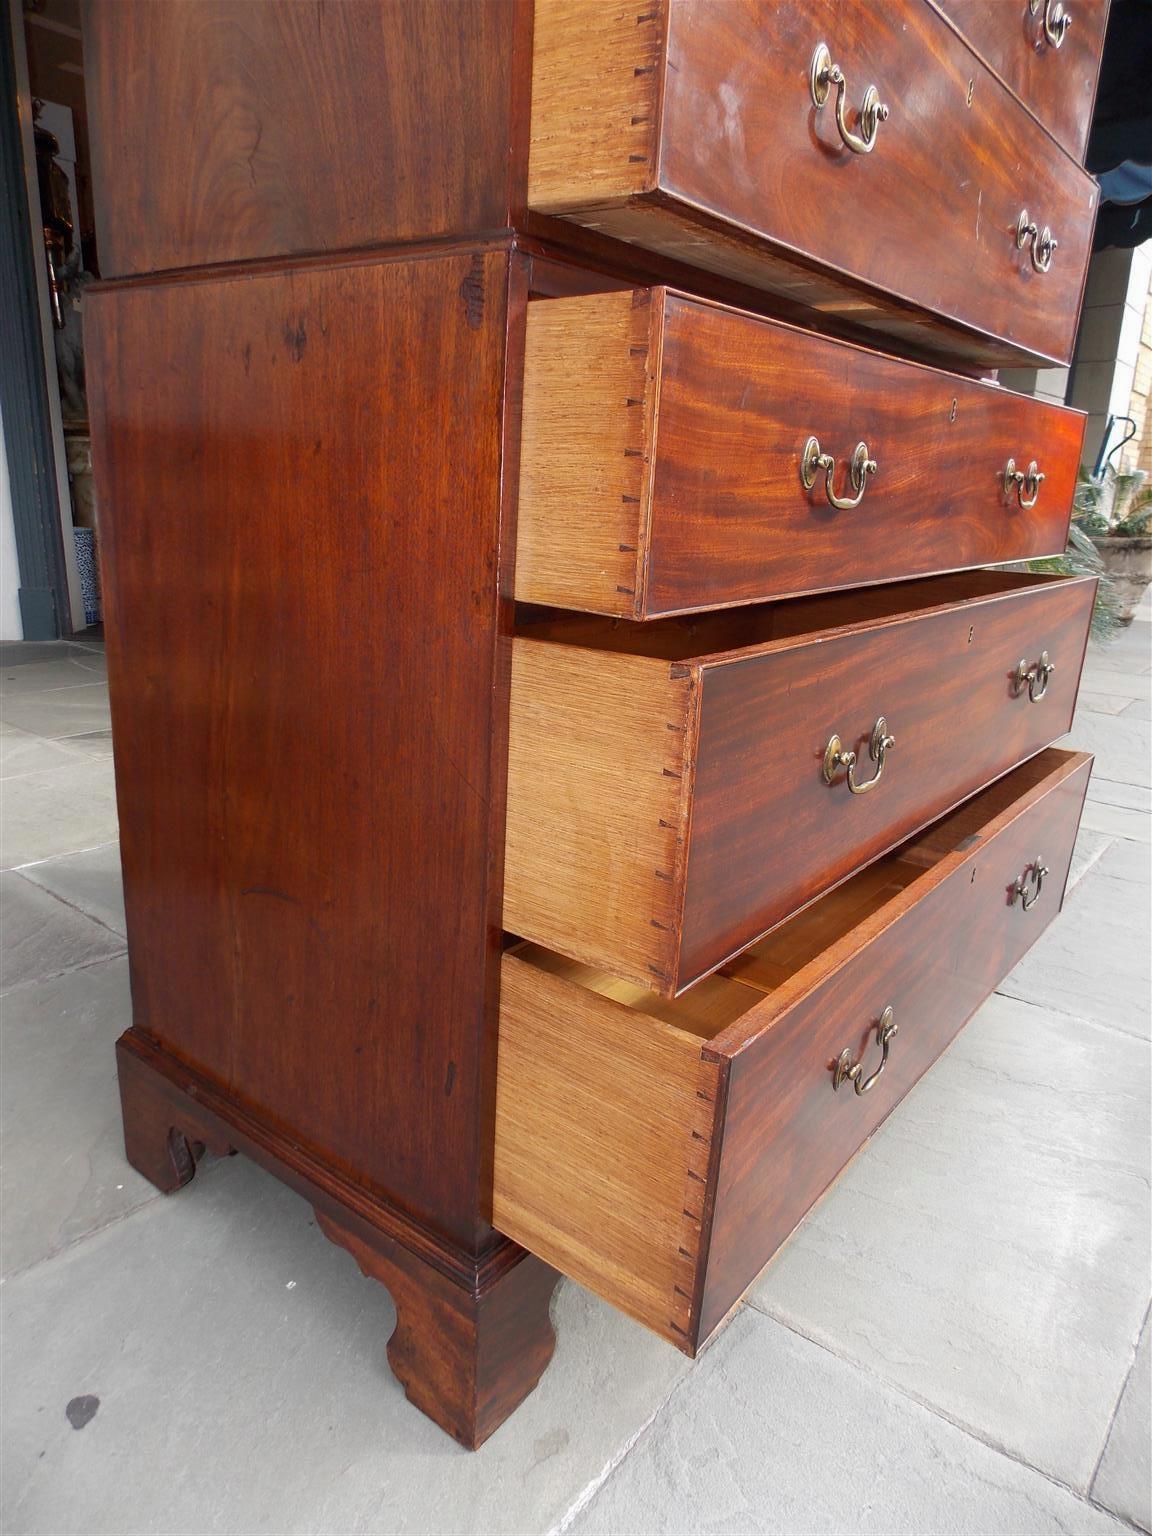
(226, 130)
(945, 685)
(661, 450)
(666, 802)
(745, 177)
(299, 539)
(1057, 84)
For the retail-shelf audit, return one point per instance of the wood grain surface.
(597, 1164)
(768, 833)
(660, 1156)
(1057, 84)
(747, 176)
(590, 370)
(661, 451)
(228, 130)
(300, 542)
(599, 797)
(765, 834)
(933, 955)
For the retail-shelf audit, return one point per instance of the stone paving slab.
(73, 671)
(46, 814)
(59, 712)
(89, 881)
(1094, 961)
(774, 1434)
(43, 936)
(1124, 1481)
(62, 1173)
(22, 753)
(239, 1362)
(989, 1252)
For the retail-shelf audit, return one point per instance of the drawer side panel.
(589, 400)
(603, 1134)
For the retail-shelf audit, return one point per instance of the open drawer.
(673, 792)
(931, 206)
(672, 458)
(660, 1152)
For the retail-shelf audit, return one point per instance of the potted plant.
(1116, 514)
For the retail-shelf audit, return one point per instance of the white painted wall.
(10, 626)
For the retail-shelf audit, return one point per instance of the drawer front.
(787, 1131)
(1053, 68)
(735, 168)
(769, 833)
(662, 447)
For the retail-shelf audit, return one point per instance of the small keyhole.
(971, 91)
(952, 412)
(972, 881)
(971, 632)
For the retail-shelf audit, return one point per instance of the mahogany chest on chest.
(602, 751)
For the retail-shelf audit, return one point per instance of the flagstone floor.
(955, 1341)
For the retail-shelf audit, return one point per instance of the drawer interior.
(690, 637)
(718, 1002)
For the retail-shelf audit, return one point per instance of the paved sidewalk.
(955, 1341)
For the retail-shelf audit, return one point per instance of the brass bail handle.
(1025, 482)
(1029, 885)
(823, 75)
(1035, 678)
(835, 758)
(812, 461)
(1056, 20)
(1043, 242)
(849, 1071)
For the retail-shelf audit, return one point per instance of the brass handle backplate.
(823, 75)
(812, 461)
(1030, 883)
(1056, 19)
(1041, 243)
(849, 1071)
(835, 758)
(1025, 482)
(1035, 678)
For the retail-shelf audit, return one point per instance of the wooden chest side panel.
(226, 130)
(589, 402)
(598, 795)
(787, 1134)
(603, 1136)
(769, 834)
(299, 533)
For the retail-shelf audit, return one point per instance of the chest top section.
(879, 166)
